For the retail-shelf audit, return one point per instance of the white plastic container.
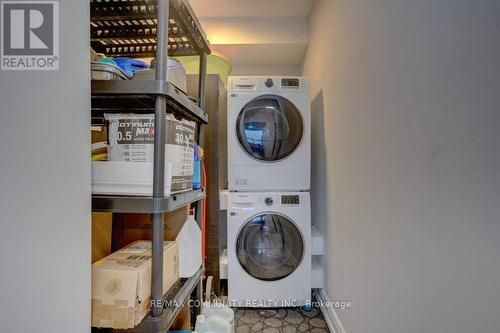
(189, 239)
(127, 178)
(213, 324)
(131, 139)
(219, 310)
(217, 324)
(201, 324)
(176, 74)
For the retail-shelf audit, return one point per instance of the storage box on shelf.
(179, 226)
(121, 284)
(128, 169)
(173, 299)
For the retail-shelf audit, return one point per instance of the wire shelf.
(127, 28)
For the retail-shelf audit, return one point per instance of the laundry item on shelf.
(130, 65)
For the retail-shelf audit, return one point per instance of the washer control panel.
(264, 201)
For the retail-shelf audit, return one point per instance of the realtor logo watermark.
(29, 35)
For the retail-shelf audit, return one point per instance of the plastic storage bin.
(131, 139)
(127, 178)
(220, 310)
(107, 71)
(176, 74)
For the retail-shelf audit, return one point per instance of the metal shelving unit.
(143, 29)
(145, 205)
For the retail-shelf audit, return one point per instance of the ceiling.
(251, 8)
(263, 33)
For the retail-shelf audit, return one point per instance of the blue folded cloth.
(130, 65)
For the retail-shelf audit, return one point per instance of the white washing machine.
(269, 249)
(269, 133)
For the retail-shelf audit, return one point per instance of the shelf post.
(202, 79)
(201, 142)
(201, 130)
(159, 160)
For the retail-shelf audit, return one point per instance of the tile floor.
(290, 320)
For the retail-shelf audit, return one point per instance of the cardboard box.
(134, 227)
(99, 142)
(121, 284)
(101, 235)
(183, 320)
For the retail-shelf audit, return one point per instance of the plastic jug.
(189, 239)
(213, 324)
(201, 324)
(220, 310)
(217, 324)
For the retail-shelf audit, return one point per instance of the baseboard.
(331, 317)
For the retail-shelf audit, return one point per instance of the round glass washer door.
(269, 247)
(269, 128)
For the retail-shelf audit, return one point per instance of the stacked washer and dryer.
(269, 214)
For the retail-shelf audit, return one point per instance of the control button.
(269, 83)
(269, 201)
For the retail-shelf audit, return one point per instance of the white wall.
(259, 45)
(406, 166)
(276, 70)
(45, 188)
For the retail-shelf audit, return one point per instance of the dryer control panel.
(290, 200)
(290, 82)
(268, 84)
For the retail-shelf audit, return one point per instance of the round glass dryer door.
(269, 247)
(269, 128)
